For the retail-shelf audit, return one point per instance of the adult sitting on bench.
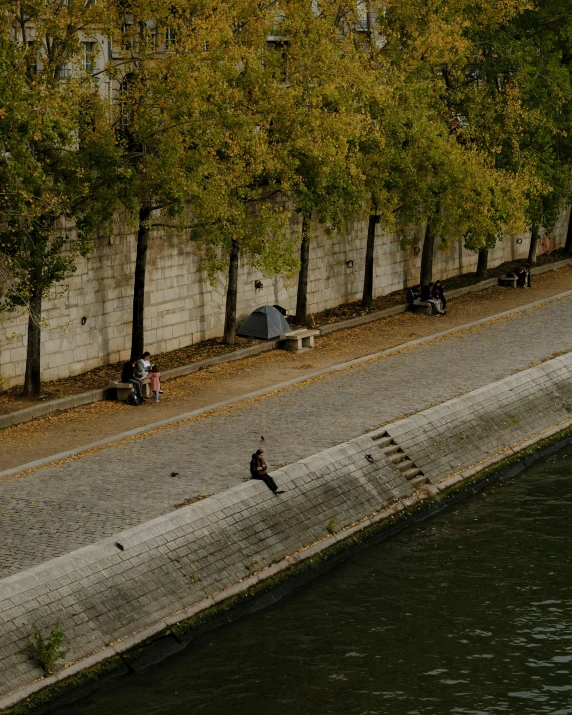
(439, 295)
(143, 366)
(522, 274)
(128, 376)
(426, 297)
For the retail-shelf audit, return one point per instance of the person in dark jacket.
(282, 311)
(413, 294)
(439, 294)
(522, 274)
(426, 297)
(128, 376)
(258, 470)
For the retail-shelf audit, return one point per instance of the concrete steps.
(400, 460)
(382, 441)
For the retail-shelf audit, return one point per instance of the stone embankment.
(138, 584)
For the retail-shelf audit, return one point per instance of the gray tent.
(265, 323)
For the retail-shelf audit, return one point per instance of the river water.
(469, 612)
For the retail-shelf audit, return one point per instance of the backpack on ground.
(134, 399)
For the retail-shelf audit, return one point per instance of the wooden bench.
(420, 306)
(298, 341)
(124, 389)
(508, 281)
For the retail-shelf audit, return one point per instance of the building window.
(34, 52)
(127, 31)
(169, 38)
(89, 57)
(125, 37)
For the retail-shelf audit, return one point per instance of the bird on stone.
(262, 437)
(120, 546)
(174, 474)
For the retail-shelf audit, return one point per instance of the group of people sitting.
(522, 275)
(136, 372)
(432, 293)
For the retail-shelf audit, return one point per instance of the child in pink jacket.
(155, 376)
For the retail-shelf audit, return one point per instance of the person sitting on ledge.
(258, 470)
(128, 377)
(439, 294)
(426, 292)
(522, 274)
(413, 294)
(143, 366)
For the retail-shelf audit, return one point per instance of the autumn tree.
(232, 200)
(58, 155)
(235, 202)
(535, 57)
(439, 52)
(192, 144)
(317, 122)
(157, 98)
(381, 159)
(513, 97)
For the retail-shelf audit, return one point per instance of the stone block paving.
(57, 509)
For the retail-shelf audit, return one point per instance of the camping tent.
(265, 323)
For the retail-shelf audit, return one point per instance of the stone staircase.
(400, 460)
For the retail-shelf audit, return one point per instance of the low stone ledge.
(473, 288)
(7, 420)
(85, 398)
(219, 359)
(363, 319)
(32, 413)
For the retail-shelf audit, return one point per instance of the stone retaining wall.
(114, 593)
(452, 437)
(181, 306)
(101, 594)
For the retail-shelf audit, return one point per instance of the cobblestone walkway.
(57, 509)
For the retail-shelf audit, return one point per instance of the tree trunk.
(32, 380)
(302, 296)
(367, 298)
(138, 326)
(533, 245)
(483, 263)
(231, 293)
(568, 244)
(427, 255)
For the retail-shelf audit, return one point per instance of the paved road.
(56, 509)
